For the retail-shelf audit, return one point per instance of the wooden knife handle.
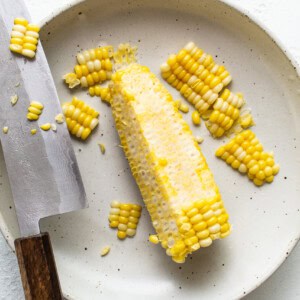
(37, 268)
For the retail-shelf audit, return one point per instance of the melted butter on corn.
(24, 38)
(81, 119)
(124, 217)
(246, 154)
(180, 194)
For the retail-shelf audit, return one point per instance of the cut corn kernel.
(176, 193)
(59, 119)
(33, 131)
(102, 92)
(5, 129)
(196, 118)
(246, 120)
(199, 139)
(102, 148)
(105, 250)
(24, 38)
(153, 238)
(72, 80)
(226, 110)
(246, 154)
(46, 126)
(125, 217)
(14, 99)
(196, 76)
(183, 108)
(54, 127)
(34, 110)
(81, 119)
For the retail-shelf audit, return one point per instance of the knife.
(42, 168)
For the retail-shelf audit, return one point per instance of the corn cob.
(226, 110)
(81, 119)
(24, 38)
(94, 66)
(125, 217)
(34, 110)
(176, 184)
(246, 154)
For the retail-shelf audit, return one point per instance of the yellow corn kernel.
(184, 108)
(187, 208)
(71, 79)
(33, 131)
(45, 126)
(14, 99)
(153, 239)
(5, 129)
(105, 250)
(123, 217)
(81, 118)
(196, 118)
(246, 154)
(59, 119)
(102, 148)
(24, 38)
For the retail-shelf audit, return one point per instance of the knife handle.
(37, 268)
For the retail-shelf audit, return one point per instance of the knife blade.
(42, 169)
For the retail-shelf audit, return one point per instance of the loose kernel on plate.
(59, 119)
(33, 131)
(46, 126)
(14, 99)
(54, 127)
(105, 250)
(5, 129)
(199, 139)
(102, 148)
(34, 110)
(183, 108)
(71, 79)
(153, 238)
(196, 118)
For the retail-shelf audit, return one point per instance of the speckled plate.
(266, 221)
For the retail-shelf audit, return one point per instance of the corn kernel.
(5, 129)
(196, 118)
(105, 250)
(153, 239)
(46, 126)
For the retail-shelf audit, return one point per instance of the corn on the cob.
(24, 38)
(94, 66)
(102, 92)
(176, 184)
(196, 76)
(81, 119)
(226, 110)
(125, 217)
(246, 154)
(34, 110)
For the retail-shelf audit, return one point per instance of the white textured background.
(282, 18)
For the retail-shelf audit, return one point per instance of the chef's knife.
(42, 168)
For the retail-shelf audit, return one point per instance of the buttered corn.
(246, 154)
(34, 110)
(196, 76)
(124, 217)
(24, 38)
(94, 66)
(177, 186)
(226, 110)
(81, 119)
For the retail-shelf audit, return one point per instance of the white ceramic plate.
(266, 221)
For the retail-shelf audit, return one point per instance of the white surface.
(284, 283)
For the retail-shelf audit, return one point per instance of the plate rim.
(238, 8)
